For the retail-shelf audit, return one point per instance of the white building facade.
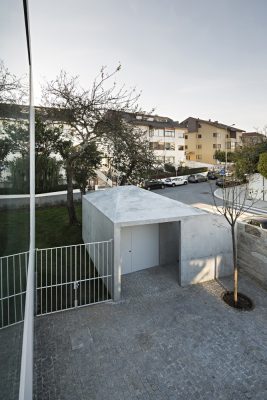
(166, 137)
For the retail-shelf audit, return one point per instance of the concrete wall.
(96, 227)
(41, 200)
(252, 251)
(169, 242)
(258, 187)
(206, 249)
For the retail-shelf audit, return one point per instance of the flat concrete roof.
(130, 205)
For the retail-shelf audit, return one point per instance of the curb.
(252, 210)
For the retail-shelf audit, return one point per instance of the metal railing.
(73, 276)
(13, 281)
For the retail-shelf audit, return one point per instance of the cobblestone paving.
(160, 342)
(10, 356)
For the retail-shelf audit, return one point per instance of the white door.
(139, 247)
(126, 250)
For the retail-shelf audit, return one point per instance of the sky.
(200, 58)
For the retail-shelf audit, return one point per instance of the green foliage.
(170, 168)
(221, 156)
(20, 172)
(262, 164)
(131, 155)
(47, 174)
(84, 166)
(247, 159)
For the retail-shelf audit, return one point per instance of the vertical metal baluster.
(41, 272)
(66, 275)
(46, 279)
(103, 270)
(56, 279)
(75, 277)
(7, 277)
(99, 274)
(81, 274)
(94, 272)
(61, 274)
(90, 273)
(14, 290)
(2, 311)
(85, 275)
(107, 269)
(71, 280)
(51, 279)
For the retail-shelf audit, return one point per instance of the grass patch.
(52, 229)
(55, 267)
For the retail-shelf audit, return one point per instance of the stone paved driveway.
(161, 342)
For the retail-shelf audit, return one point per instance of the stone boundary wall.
(41, 200)
(252, 251)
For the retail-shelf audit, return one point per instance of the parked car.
(153, 184)
(260, 221)
(197, 178)
(222, 182)
(212, 175)
(177, 181)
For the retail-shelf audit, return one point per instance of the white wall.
(96, 227)
(206, 249)
(169, 243)
(258, 187)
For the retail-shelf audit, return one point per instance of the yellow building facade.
(203, 138)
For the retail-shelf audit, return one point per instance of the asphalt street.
(195, 194)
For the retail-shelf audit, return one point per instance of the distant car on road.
(153, 184)
(197, 178)
(260, 221)
(212, 175)
(177, 181)
(223, 182)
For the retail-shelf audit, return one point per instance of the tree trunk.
(235, 263)
(70, 204)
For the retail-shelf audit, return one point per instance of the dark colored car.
(211, 175)
(153, 184)
(197, 178)
(259, 221)
(222, 182)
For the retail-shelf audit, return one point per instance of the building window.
(199, 146)
(199, 157)
(217, 146)
(186, 147)
(214, 134)
(180, 135)
(156, 145)
(181, 148)
(199, 136)
(159, 132)
(188, 157)
(186, 136)
(169, 160)
(169, 133)
(169, 146)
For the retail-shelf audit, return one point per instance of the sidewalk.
(259, 206)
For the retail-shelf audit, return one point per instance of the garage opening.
(146, 246)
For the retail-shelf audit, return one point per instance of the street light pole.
(226, 148)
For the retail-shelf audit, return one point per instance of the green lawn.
(52, 229)
(55, 267)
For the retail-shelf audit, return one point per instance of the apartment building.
(252, 138)
(204, 137)
(166, 137)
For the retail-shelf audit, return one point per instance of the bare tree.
(236, 200)
(82, 110)
(129, 151)
(12, 88)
